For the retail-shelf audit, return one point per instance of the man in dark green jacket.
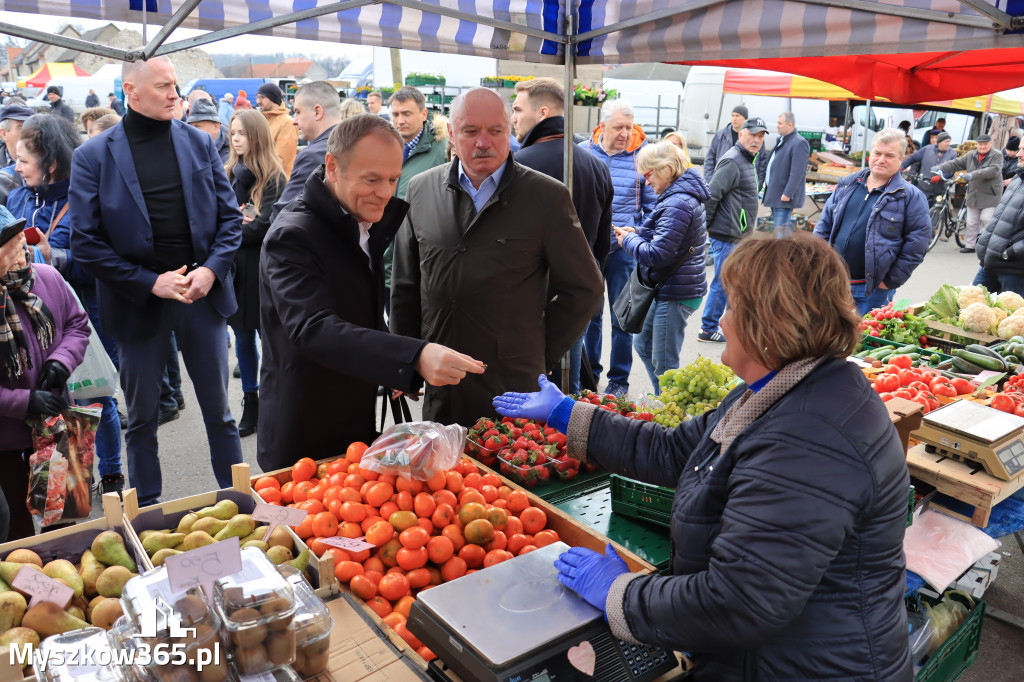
(424, 148)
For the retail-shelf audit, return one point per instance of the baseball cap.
(755, 125)
(16, 111)
(943, 136)
(203, 110)
(983, 138)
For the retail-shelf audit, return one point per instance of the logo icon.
(162, 617)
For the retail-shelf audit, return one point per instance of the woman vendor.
(790, 508)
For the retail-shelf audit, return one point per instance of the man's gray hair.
(6, 123)
(460, 103)
(347, 134)
(198, 94)
(1018, 132)
(406, 93)
(324, 94)
(131, 70)
(616, 106)
(890, 135)
(788, 117)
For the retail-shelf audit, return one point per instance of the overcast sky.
(249, 44)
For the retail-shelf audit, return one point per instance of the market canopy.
(51, 70)
(600, 32)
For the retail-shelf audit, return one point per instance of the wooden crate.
(167, 515)
(946, 332)
(961, 481)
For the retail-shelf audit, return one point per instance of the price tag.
(40, 587)
(275, 516)
(901, 304)
(354, 544)
(203, 566)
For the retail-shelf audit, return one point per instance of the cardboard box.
(976, 579)
(906, 416)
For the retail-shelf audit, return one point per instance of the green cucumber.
(981, 360)
(1017, 339)
(911, 348)
(965, 367)
(983, 350)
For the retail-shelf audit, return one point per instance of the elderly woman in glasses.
(669, 249)
(787, 527)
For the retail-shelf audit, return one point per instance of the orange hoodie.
(637, 138)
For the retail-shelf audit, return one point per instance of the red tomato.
(905, 393)
(903, 361)
(945, 390)
(886, 397)
(922, 401)
(919, 386)
(887, 383)
(1019, 410)
(962, 386)
(1003, 403)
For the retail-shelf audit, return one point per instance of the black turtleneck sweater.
(156, 164)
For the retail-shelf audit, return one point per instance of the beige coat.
(285, 136)
(986, 187)
(513, 285)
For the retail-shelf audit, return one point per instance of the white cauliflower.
(1019, 312)
(977, 317)
(1011, 326)
(1010, 300)
(971, 294)
(1000, 316)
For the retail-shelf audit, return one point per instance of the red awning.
(905, 78)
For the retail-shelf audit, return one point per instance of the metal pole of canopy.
(174, 22)
(568, 146)
(62, 41)
(867, 127)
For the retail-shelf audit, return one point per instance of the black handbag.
(636, 298)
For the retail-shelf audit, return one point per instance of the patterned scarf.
(16, 285)
(752, 405)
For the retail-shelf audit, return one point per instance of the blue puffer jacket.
(38, 207)
(899, 229)
(633, 198)
(676, 224)
(787, 549)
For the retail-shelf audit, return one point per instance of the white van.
(707, 108)
(75, 90)
(880, 117)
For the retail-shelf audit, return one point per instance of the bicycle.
(949, 213)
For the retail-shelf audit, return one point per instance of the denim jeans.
(878, 298)
(108, 435)
(248, 359)
(781, 217)
(170, 389)
(616, 273)
(575, 364)
(714, 304)
(999, 281)
(661, 340)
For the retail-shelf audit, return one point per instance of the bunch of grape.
(692, 390)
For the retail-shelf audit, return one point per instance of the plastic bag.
(939, 548)
(60, 466)
(415, 450)
(95, 376)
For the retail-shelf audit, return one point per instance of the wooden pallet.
(961, 481)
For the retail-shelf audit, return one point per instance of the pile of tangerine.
(425, 532)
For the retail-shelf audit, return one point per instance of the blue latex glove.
(969, 176)
(537, 406)
(590, 574)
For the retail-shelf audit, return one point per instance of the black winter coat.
(247, 258)
(676, 224)
(732, 208)
(787, 549)
(326, 348)
(1005, 232)
(61, 108)
(543, 150)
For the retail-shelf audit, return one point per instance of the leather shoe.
(167, 416)
(966, 249)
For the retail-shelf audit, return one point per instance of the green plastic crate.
(875, 342)
(959, 651)
(416, 81)
(642, 501)
(434, 98)
(557, 492)
(910, 514)
(649, 542)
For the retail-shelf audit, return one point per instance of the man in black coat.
(115, 104)
(92, 99)
(326, 348)
(1001, 243)
(540, 129)
(59, 106)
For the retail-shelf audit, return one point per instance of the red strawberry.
(521, 443)
(530, 427)
(557, 439)
(542, 472)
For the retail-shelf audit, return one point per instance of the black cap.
(755, 125)
(741, 110)
(203, 110)
(983, 138)
(1012, 145)
(16, 111)
(943, 136)
(271, 92)
(54, 89)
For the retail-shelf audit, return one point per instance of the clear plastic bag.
(647, 402)
(940, 548)
(415, 450)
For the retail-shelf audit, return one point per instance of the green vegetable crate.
(642, 501)
(875, 342)
(959, 651)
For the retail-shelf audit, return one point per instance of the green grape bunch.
(690, 391)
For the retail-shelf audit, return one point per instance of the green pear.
(279, 555)
(281, 537)
(24, 556)
(185, 525)
(161, 555)
(223, 510)
(105, 613)
(4, 587)
(12, 609)
(158, 541)
(257, 534)
(9, 569)
(75, 611)
(109, 548)
(61, 569)
(92, 604)
(112, 580)
(301, 562)
(90, 571)
(209, 525)
(47, 619)
(239, 526)
(20, 636)
(258, 544)
(196, 539)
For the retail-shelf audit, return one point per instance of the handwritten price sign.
(203, 566)
(276, 516)
(354, 544)
(41, 588)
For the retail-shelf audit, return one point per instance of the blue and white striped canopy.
(610, 31)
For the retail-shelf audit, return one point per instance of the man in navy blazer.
(786, 172)
(155, 220)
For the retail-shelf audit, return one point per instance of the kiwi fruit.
(191, 609)
(251, 660)
(281, 647)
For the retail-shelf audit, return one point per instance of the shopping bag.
(60, 466)
(96, 376)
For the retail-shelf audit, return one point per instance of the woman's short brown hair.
(790, 299)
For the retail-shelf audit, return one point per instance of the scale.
(514, 622)
(970, 432)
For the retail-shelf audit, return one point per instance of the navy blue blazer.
(112, 238)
